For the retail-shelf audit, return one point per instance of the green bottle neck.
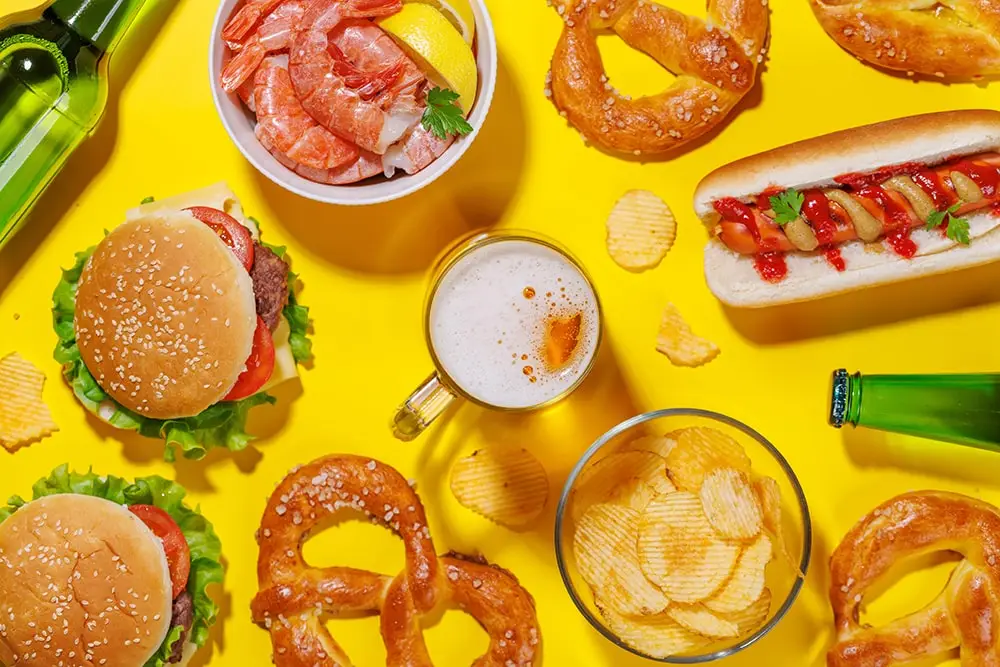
(101, 22)
(962, 408)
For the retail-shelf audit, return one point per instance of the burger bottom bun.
(94, 567)
(733, 279)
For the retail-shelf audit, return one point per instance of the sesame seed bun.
(165, 315)
(928, 138)
(82, 581)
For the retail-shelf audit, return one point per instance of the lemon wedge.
(459, 12)
(437, 47)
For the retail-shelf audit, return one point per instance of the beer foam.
(490, 315)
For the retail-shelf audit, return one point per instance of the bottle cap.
(838, 398)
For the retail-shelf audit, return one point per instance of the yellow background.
(364, 272)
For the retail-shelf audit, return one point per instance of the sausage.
(908, 204)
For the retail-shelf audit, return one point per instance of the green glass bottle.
(964, 409)
(53, 89)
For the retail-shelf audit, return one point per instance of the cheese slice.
(285, 367)
(215, 196)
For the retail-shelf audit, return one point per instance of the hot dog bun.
(928, 139)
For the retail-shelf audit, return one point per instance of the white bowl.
(239, 123)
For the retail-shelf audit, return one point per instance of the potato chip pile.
(673, 534)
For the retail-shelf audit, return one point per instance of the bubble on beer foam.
(489, 319)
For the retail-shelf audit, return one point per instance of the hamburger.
(98, 571)
(180, 321)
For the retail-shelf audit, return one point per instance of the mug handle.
(422, 407)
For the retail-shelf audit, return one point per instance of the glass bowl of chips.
(683, 535)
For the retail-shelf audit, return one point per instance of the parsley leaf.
(443, 116)
(786, 205)
(935, 219)
(958, 230)
(147, 200)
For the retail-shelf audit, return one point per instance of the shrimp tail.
(245, 20)
(371, 8)
(243, 65)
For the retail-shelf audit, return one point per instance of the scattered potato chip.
(657, 636)
(24, 417)
(630, 479)
(750, 619)
(660, 445)
(730, 504)
(696, 618)
(769, 496)
(676, 340)
(598, 532)
(700, 450)
(747, 583)
(626, 589)
(504, 484)
(641, 229)
(679, 551)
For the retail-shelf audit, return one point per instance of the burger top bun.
(82, 581)
(927, 139)
(165, 315)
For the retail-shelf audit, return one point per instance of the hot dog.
(855, 208)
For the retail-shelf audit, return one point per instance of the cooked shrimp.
(273, 35)
(365, 166)
(283, 126)
(242, 22)
(414, 151)
(318, 75)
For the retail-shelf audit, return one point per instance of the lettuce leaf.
(205, 546)
(220, 425)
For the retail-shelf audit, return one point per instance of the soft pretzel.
(965, 615)
(953, 39)
(294, 597)
(715, 63)
(491, 595)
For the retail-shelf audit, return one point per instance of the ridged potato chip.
(676, 340)
(680, 552)
(746, 584)
(769, 497)
(750, 619)
(24, 417)
(660, 445)
(631, 479)
(626, 589)
(658, 636)
(696, 618)
(700, 450)
(730, 504)
(641, 229)
(598, 532)
(504, 484)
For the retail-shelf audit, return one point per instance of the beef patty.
(270, 284)
(183, 616)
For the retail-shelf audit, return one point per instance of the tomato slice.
(174, 544)
(229, 229)
(260, 365)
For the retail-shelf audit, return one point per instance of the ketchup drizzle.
(771, 266)
(816, 211)
(835, 259)
(898, 232)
